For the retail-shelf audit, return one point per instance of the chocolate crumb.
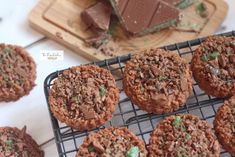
(232, 58)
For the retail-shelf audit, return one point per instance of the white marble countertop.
(32, 110)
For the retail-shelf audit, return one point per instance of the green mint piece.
(102, 90)
(188, 137)
(110, 31)
(177, 121)
(204, 58)
(184, 147)
(214, 54)
(113, 24)
(91, 148)
(180, 155)
(9, 143)
(233, 43)
(7, 50)
(6, 78)
(184, 4)
(163, 78)
(200, 8)
(133, 152)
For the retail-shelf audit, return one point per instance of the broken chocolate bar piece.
(98, 16)
(141, 17)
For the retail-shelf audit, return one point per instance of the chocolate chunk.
(140, 17)
(171, 146)
(214, 63)
(160, 99)
(25, 154)
(87, 113)
(183, 84)
(23, 132)
(232, 58)
(98, 16)
(3, 138)
(233, 45)
(156, 71)
(97, 107)
(21, 72)
(231, 72)
(21, 146)
(91, 82)
(106, 142)
(98, 147)
(141, 75)
(222, 61)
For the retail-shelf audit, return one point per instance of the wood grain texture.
(60, 20)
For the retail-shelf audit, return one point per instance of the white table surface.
(32, 110)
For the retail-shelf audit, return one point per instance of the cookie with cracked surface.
(183, 135)
(213, 66)
(17, 72)
(15, 142)
(157, 81)
(84, 97)
(224, 124)
(112, 142)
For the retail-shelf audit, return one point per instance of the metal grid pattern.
(127, 114)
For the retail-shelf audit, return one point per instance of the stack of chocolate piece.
(138, 17)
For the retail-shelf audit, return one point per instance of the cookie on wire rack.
(224, 124)
(84, 97)
(157, 81)
(17, 72)
(118, 142)
(17, 143)
(183, 135)
(213, 66)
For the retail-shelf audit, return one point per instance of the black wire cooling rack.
(127, 114)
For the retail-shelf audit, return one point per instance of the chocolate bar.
(140, 17)
(98, 16)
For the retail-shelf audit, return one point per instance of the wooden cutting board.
(60, 20)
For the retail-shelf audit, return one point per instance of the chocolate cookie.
(183, 135)
(17, 72)
(118, 142)
(225, 125)
(17, 143)
(157, 81)
(84, 97)
(213, 66)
